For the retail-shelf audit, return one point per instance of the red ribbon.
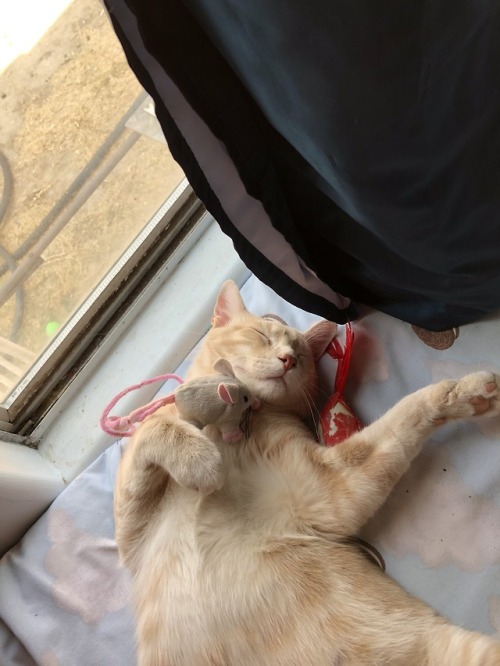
(337, 419)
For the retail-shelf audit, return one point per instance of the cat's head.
(275, 361)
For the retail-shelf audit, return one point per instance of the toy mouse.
(219, 400)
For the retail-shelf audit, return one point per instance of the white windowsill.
(172, 318)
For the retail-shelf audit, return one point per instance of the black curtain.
(360, 137)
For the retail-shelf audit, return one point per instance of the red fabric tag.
(338, 421)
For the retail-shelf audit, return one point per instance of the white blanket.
(64, 598)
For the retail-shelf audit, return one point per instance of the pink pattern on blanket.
(49, 658)
(87, 577)
(434, 514)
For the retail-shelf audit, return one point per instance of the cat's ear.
(319, 336)
(229, 304)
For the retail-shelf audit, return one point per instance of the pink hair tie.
(123, 426)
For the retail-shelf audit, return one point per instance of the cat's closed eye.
(263, 335)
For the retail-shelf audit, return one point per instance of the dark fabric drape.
(368, 131)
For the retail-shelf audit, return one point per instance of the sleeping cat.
(240, 553)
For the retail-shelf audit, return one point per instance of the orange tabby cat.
(240, 553)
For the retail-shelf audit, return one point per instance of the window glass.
(83, 168)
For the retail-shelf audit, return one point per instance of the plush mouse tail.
(124, 426)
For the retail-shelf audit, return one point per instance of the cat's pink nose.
(289, 361)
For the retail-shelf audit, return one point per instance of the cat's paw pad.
(473, 395)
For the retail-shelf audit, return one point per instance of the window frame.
(64, 357)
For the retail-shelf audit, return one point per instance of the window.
(91, 200)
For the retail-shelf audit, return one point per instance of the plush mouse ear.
(318, 337)
(223, 366)
(228, 393)
(229, 304)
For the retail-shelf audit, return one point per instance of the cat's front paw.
(476, 394)
(192, 459)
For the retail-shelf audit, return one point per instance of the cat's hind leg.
(453, 646)
(434, 642)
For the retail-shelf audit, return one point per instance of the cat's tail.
(453, 646)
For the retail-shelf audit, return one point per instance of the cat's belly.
(222, 590)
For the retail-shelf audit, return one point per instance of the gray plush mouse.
(219, 400)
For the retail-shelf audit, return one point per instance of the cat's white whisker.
(313, 410)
